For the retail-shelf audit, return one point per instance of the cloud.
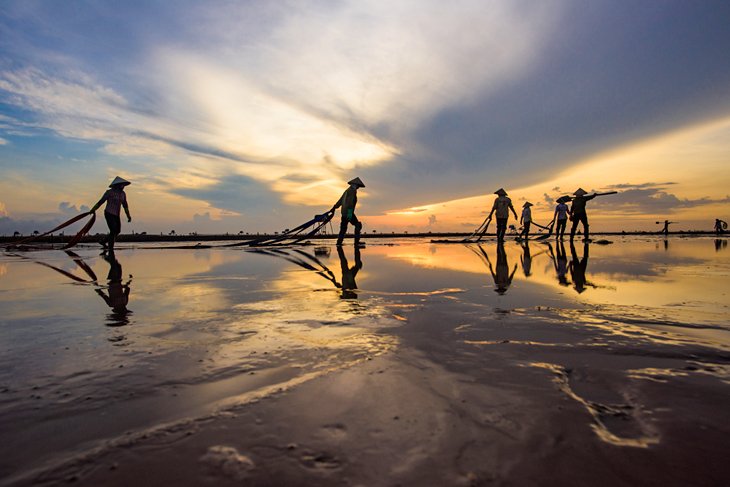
(649, 198)
(68, 209)
(3, 210)
(431, 220)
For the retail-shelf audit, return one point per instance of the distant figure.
(502, 277)
(720, 226)
(118, 297)
(348, 202)
(665, 229)
(502, 205)
(115, 199)
(578, 267)
(578, 213)
(562, 212)
(349, 273)
(525, 220)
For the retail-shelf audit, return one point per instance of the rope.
(76, 238)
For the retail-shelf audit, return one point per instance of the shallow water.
(94, 349)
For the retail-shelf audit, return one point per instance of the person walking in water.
(502, 205)
(560, 217)
(115, 199)
(526, 219)
(720, 226)
(665, 229)
(348, 201)
(578, 213)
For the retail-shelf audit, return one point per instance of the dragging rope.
(478, 234)
(76, 238)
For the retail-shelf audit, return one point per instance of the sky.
(251, 116)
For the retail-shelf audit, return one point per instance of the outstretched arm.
(99, 203)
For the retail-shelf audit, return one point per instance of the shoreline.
(148, 238)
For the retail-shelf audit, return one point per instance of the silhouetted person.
(502, 206)
(578, 212)
(526, 220)
(578, 267)
(348, 202)
(115, 199)
(665, 229)
(720, 226)
(526, 259)
(562, 212)
(502, 277)
(118, 296)
(349, 273)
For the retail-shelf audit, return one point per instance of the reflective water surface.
(98, 347)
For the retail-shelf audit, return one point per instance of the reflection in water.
(349, 273)
(578, 268)
(720, 244)
(560, 262)
(312, 263)
(502, 276)
(118, 294)
(526, 259)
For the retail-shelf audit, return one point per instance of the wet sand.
(234, 367)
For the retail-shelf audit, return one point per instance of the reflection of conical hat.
(357, 182)
(580, 192)
(527, 203)
(120, 181)
(563, 199)
(501, 192)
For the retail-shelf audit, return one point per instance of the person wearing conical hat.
(578, 212)
(348, 201)
(562, 212)
(526, 219)
(115, 199)
(502, 205)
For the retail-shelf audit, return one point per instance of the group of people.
(576, 213)
(116, 200)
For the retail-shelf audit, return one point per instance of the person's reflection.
(578, 268)
(502, 277)
(526, 259)
(720, 244)
(349, 273)
(560, 262)
(666, 244)
(118, 293)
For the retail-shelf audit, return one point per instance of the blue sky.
(252, 115)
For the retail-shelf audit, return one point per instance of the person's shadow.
(578, 268)
(349, 273)
(117, 295)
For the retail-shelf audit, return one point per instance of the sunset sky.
(252, 115)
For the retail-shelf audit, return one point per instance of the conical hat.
(563, 199)
(527, 203)
(580, 192)
(501, 192)
(118, 180)
(357, 182)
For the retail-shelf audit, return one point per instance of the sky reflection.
(192, 330)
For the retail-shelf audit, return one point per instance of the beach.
(402, 363)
